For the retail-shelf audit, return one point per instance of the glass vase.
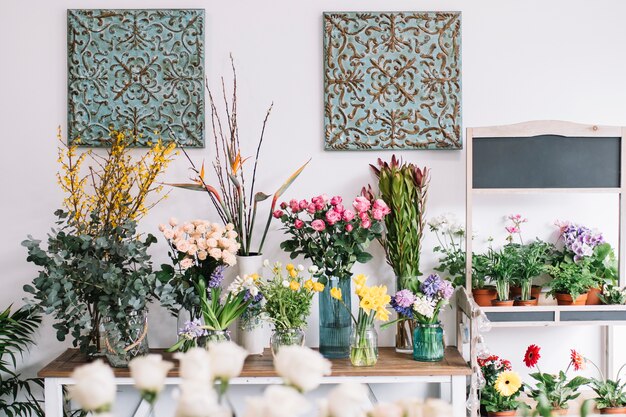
(126, 338)
(404, 329)
(216, 336)
(428, 342)
(335, 320)
(363, 346)
(286, 337)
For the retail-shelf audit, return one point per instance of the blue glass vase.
(428, 342)
(335, 321)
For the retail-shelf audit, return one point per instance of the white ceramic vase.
(256, 338)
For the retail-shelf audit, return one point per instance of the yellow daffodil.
(293, 273)
(366, 304)
(359, 280)
(318, 287)
(294, 285)
(508, 383)
(308, 284)
(336, 293)
(382, 314)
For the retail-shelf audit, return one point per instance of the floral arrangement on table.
(205, 376)
(334, 238)
(502, 386)
(404, 188)
(424, 308)
(288, 299)
(373, 302)
(235, 197)
(200, 251)
(556, 389)
(95, 270)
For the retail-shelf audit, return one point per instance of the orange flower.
(578, 360)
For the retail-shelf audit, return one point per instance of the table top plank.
(390, 363)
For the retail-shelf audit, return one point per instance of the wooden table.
(392, 368)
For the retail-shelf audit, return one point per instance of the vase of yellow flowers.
(373, 301)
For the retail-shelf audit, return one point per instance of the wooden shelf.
(390, 364)
(555, 315)
(546, 190)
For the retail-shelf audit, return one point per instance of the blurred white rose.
(195, 365)
(94, 387)
(413, 407)
(386, 410)
(149, 372)
(348, 400)
(277, 401)
(226, 359)
(198, 399)
(434, 407)
(173, 221)
(301, 367)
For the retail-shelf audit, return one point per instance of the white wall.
(522, 60)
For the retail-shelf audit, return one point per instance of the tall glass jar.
(217, 336)
(363, 346)
(428, 342)
(126, 339)
(405, 328)
(335, 320)
(286, 337)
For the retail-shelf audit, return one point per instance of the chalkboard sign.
(546, 161)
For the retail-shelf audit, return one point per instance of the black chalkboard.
(546, 161)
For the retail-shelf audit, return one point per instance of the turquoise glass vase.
(428, 342)
(334, 320)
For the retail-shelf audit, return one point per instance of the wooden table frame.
(392, 368)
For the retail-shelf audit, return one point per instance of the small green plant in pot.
(610, 393)
(502, 267)
(613, 295)
(533, 259)
(570, 283)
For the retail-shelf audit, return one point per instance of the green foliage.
(570, 278)
(502, 267)
(16, 333)
(613, 295)
(556, 389)
(603, 264)
(493, 401)
(404, 187)
(83, 278)
(480, 270)
(609, 393)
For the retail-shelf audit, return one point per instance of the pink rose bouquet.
(330, 234)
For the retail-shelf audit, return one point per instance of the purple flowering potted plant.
(587, 249)
(424, 307)
(200, 252)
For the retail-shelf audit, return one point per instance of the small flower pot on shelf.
(534, 292)
(593, 298)
(526, 303)
(484, 296)
(613, 410)
(566, 299)
(559, 411)
(502, 303)
(502, 413)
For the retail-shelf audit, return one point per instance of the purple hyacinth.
(402, 311)
(217, 276)
(431, 286)
(192, 330)
(446, 290)
(257, 298)
(404, 298)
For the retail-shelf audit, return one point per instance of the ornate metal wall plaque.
(137, 70)
(392, 80)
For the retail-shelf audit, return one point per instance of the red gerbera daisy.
(578, 360)
(532, 356)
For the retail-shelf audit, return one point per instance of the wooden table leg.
(458, 393)
(53, 396)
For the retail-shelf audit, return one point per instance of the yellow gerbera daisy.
(508, 383)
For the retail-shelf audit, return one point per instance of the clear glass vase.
(334, 320)
(405, 328)
(286, 337)
(428, 342)
(127, 338)
(214, 336)
(363, 346)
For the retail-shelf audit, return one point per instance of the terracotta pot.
(502, 303)
(502, 413)
(483, 296)
(593, 298)
(566, 299)
(559, 411)
(535, 291)
(526, 303)
(613, 410)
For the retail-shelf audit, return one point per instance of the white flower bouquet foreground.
(205, 378)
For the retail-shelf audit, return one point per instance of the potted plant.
(502, 267)
(404, 188)
(610, 393)
(556, 389)
(532, 263)
(482, 292)
(613, 295)
(333, 237)
(424, 307)
(95, 272)
(373, 301)
(501, 396)
(570, 283)
(288, 298)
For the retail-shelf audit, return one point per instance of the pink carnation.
(283, 205)
(349, 227)
(298, 224)
(377, 214)
(381, 205)
(364, 216)
(361, 204)
(318, 225)
(332, 217)
(311, 208)
(339, 208)
(366, 223)
(303, 204)
(278, 214)
(348, 215)
(336, 200)
(295, 207)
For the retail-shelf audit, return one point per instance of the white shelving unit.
(548, 315)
